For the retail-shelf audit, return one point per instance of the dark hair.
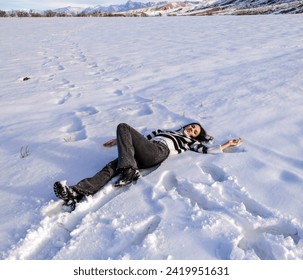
(203, 136)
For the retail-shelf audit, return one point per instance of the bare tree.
(50, 13)
(34, 14)
(22, 14)
(2, 13)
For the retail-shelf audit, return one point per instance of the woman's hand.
(232, 143)
(110, 143)
(235, 142)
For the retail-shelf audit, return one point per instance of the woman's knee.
(122, 126)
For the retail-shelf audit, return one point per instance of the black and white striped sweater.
(177, 142)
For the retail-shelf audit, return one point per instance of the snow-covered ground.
(238, 76)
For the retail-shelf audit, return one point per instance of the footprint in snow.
(73, 128)
(119, 92)
(215, 174)
(63, 99)
(87, 111)
(141, 110)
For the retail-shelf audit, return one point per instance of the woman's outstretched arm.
(217, 149)
(231, 143)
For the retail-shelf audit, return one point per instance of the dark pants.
(134, 151)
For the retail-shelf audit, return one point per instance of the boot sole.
(61, 191)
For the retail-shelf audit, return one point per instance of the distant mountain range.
(202, 7)
(177, 8)
(130, 5)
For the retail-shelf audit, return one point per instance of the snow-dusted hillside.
(129, 5)
(238, 76)
(220, 7)
(203, 7)
(70, 10)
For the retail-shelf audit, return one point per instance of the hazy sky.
(53, 4)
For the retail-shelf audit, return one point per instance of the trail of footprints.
(59, 66)
(63, 89)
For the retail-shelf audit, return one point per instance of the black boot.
(127, 176)
(67, 194)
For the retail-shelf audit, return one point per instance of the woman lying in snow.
(135, 152)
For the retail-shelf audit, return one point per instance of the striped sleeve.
(198, 147)
(153, 134)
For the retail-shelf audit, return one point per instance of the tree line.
(50, 13)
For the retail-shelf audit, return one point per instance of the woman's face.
(192, 130)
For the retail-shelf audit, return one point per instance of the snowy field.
(238, 76)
